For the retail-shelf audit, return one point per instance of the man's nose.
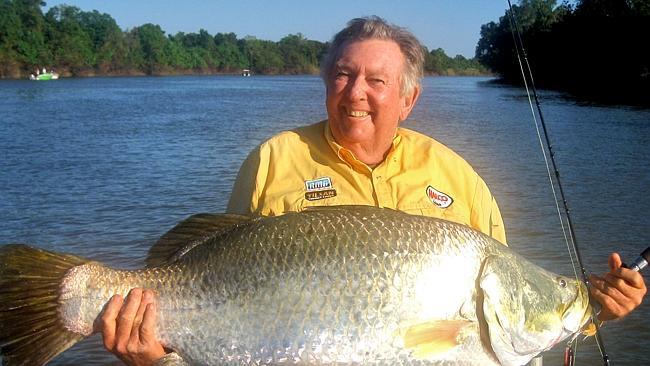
(357, 89)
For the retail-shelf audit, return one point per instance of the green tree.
(535, 19)
(640, 7)
(71, 45)
(201, 50)
(152, 42)
(229, 54)
(10, 32)
(604, 8)
(135, 58)
(592, 50)
(176, 55)
(265, 56)
(537, 14)
(24, 40)
(300, 55)
(437, 61)
(106, 38)
(112, 54)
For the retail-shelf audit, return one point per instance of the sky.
(453, 25)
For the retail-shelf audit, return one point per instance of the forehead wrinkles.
(378, 63)
(368, 67)
(380, 48)
(374, 67)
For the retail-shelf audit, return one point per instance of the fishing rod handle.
(641, 262)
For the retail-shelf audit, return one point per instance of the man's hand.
(619, 291)
(128, 328)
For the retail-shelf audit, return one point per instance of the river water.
(101, 167)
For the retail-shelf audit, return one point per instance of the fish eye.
(562, 283)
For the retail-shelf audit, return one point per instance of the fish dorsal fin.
(189, 233)
(347, 208)
(340, 207)
(431, 338)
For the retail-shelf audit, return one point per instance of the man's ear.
(408, 102)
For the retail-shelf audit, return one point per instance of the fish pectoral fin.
(590, 330)
(434, 337)
(187, 234)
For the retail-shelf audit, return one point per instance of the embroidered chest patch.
(438, 198)
(319, 188)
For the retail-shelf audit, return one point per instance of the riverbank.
(129, 73)
(91, 74)
(628, 95)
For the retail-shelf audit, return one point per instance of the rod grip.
(641, 262)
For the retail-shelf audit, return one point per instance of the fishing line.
(572, 245)
(541, 143)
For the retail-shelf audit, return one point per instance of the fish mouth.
(589, 324)
(582, 301)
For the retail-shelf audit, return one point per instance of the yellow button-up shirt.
(306, 167)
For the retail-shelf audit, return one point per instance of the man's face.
(364, 104)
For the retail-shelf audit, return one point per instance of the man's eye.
(377, 81)
(341, 75)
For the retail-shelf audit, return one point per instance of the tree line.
(82, 43)
(597, 49)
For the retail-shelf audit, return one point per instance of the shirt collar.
(348, 157)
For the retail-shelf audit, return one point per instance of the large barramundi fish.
(342, 285)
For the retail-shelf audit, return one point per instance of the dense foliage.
(593, 48)
(77, 42)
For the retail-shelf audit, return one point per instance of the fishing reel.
(638, 265)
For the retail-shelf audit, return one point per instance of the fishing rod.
(546, 146)
(641, 262)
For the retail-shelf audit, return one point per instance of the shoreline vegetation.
(592, 49)
(74, 42)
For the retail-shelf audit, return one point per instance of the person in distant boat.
(359, 155)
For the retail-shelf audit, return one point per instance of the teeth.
(358, 114)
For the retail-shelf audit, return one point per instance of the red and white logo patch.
(438, 198)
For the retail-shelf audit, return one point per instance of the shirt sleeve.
(485, 215)
(498, 229)
(244, 196)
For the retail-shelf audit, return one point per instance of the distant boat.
(44, 76)
(246, 72)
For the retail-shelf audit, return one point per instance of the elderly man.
(359, 155)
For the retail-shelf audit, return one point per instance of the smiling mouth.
(357, 114)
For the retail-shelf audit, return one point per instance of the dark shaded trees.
(595, 50)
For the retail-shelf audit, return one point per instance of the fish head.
(528, 309)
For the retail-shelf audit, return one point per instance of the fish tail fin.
(31, 331)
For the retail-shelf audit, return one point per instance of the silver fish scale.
(324, 286)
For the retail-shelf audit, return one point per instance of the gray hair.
(374, 27)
